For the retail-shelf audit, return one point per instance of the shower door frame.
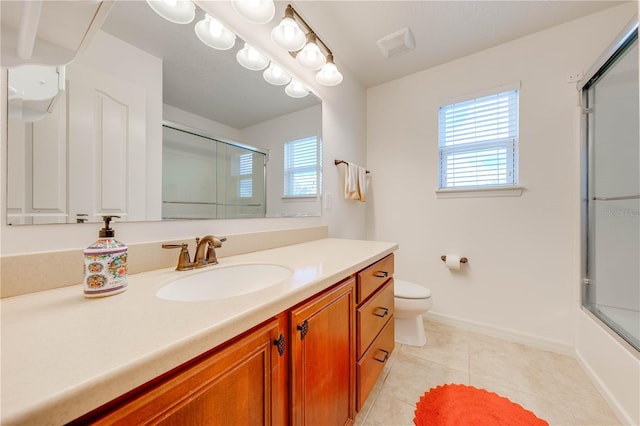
(627, 37)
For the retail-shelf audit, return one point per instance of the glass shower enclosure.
(611, 188)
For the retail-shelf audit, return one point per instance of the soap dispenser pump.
(105, 264)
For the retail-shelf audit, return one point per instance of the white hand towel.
(362, 183)
(352, 177)
(355, 182)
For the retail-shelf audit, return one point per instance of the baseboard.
(622, 414)
(503, 333)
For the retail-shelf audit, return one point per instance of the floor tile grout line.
(435, 362)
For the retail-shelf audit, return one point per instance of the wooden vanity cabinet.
(322, 358)
(242, 383)
(374, 324)
(337, 343)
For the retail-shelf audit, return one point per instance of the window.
(245, 174)
(478, 142)
(302, 167)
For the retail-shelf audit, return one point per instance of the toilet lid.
(408, 290)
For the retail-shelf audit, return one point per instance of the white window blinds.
(302, 167)
(478, 141)
(245, 173)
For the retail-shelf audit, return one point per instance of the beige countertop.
(64, 355)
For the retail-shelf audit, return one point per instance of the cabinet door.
(323, 358)
(244, 383)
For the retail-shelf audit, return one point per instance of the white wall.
(343, 131)
(523, 263)
(272, 135)
(212, 128)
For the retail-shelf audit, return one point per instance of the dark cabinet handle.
(386, 357)
(385, 312)
(303, 329)
(382, 274)
(281, 343)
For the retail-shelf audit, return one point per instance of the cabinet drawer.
(372, 316)
(373, 361)
(374, 276)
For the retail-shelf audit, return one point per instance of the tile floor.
(553, 386)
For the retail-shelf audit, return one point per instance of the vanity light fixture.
(176, 11)
(276, 75)
(255, 11)
(295, 89)
(288, 34)
(211, 32)
(251, 59)
(329, 74)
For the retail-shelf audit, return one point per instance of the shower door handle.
(624, 197)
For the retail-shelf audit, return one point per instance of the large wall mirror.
(149, 123)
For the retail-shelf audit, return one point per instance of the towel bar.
(336, 162)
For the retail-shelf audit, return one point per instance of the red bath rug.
(462, 405)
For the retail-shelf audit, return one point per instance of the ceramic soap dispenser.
(105, 264)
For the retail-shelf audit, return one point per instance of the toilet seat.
(408, 290)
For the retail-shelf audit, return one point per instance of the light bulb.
(310, 56)
(176, 11)
(211, 32)
(276, 75)
(329, 74)
(215, 27)
(251, 59)
(295, 89)
(288, 35)
(255, 11)
(252, 54)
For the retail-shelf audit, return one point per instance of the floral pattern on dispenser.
(105, 265)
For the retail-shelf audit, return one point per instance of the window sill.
(504, 191)
(300, 197)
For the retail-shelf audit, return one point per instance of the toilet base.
(410, 331)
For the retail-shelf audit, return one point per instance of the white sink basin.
(223, 282)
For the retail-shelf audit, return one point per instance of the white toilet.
(411, 301)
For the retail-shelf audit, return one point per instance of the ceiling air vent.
(396, 43)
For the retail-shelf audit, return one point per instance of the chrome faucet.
(201, 258)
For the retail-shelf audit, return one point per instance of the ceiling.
(196, 78)
(443, 30)
(210, 83)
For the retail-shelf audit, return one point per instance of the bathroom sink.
(223, 282)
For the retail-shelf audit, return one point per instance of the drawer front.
(372, 316)
(374, 276)
(369, 367)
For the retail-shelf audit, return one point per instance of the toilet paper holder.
(462, 259)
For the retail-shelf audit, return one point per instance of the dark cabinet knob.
(303, 329)
(281, 343)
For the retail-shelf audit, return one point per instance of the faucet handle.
(217, 242)
(184, 260)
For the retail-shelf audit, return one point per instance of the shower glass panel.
(611, 287)
(204, 178)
